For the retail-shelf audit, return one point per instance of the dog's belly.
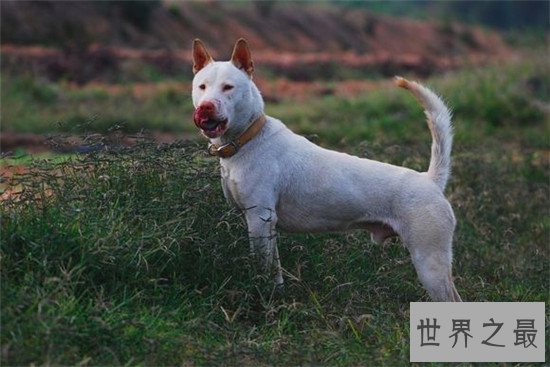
(305, 224)
(311, 216)
(299, 222)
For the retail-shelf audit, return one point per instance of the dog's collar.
(231, 148)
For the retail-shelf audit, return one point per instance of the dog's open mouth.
(210, 125)
(213, 128)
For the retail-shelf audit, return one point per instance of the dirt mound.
(289, 38)
(109, 64)
(284, 27)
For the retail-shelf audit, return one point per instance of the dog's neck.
(232, 148)
(233, 134)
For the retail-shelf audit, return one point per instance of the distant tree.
(514, 14)
(502, 14)
(137, 12)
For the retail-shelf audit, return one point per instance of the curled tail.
(439, 122)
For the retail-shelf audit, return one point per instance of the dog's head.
(224, 96)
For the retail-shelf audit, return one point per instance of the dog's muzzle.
(205, 118)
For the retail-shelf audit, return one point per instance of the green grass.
(133, 257)
(486, 101)
(31, 105)
(20, 157)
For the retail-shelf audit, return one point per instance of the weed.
(132, 256)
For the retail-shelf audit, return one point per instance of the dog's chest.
(230, 185)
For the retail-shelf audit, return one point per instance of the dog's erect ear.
(201, 57)
(241, 57)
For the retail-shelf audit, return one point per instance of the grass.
(132, 256)
(498, 100)
(41, 107)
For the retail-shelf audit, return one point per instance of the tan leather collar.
(231, 148)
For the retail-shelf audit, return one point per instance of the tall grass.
(132, 256)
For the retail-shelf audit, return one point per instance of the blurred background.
(87, 66)
(114, 257)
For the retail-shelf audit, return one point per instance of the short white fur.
(282, 181)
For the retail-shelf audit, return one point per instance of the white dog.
(283, 181)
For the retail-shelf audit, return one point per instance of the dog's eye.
(227, 87)
(202, 86)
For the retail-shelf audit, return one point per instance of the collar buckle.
(226, 150)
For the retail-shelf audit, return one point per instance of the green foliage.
(41, 107)
(30, 91)
(501, 14)
(501, 101)
(175, 11)
(132, 256)
(135, 11)
(529, 14)
(485, 101)
(139, 253)
(339, 122)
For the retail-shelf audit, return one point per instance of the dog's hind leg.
(261, 223)
(430, 244)
(433, 267)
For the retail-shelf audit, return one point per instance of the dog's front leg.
(261, 223)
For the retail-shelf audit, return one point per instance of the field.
(132, 256)
(117, 246)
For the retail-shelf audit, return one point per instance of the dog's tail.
(439, 122)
